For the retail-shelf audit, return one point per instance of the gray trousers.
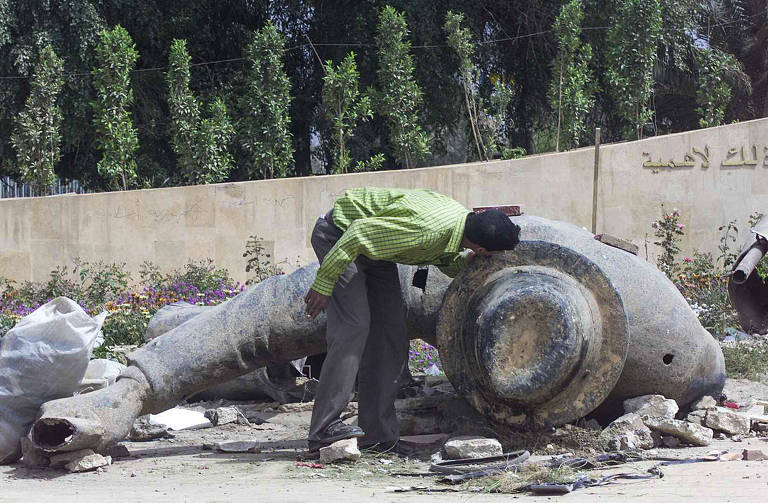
(366, 333)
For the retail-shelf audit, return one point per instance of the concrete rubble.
(223, 415)
(652, 406)
(64, 458)
(343, 450)
(627, 433)
(88, 463)
(753, 455)
(728, 422)
(472, 447)
(689, 433)
(704, 403)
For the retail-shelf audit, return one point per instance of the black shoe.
(333, 433)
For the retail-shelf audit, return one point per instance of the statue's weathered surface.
(541, 335)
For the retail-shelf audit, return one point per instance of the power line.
(360, 44)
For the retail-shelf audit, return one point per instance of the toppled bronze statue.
(538, 336)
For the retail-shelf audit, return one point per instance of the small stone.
(760, 427)
(222, 415)
(627, 433)
(652, 406)
(32, 456)
(670, 441)
(753, 455)
(704, 403)
(720, 436)
(241, 446)
(697, 417)
(689, 433)
(472, 447)
(142, 431)
(736, 438)
(729, 422)
(133, 474)
(88, 463)
(59, 460)
(343, 450)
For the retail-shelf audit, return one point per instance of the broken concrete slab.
(651, 405)
(627, 433)
(62, 459)
(88, 463)
(472, 447)
(222, 415)
(704, 403)
(343, 450)
(728, 422)
(690, 433)
(753, 455)
(697, 417)
(670, 441)
(237, 446)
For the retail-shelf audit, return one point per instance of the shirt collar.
(458, 233)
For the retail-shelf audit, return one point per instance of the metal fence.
(11, 188)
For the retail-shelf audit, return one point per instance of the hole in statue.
(668, 358)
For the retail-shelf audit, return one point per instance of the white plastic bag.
(42, 358)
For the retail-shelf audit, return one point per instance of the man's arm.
(378, 238)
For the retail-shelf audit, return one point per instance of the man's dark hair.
(493, 230)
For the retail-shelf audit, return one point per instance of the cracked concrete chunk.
(689, 433)
(343, 450)
(222, 415)
(753, 455)
(472, 447)
(237, 446)
(697, 417)
(651, 405)
(729, 422)
(88, 463)
(59, 460)
(32, 456)
(627, 433)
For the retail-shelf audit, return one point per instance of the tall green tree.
(200, 145)
(266, 105)
(37, 137)
(399, 95)
(713, 92)
(116, 137)
(632, 42)
(345, 106)
(571, 92)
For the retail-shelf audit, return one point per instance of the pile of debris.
(650, 421)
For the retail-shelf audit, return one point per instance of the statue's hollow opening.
(668, 358)
(51, 433)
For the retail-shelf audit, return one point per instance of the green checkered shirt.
(417, 227)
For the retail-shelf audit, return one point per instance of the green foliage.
(116, 137)
(399, 96)
(571, 92)
(486, 121)
(266, 106)
(203, 275)
(747, 361)
(630, 56)
(200, 145)
(727, 255)
(372, 164)
(100, 282)
(37, 136)
(713, 93)
(345, 106)
(257, 261)
(704, 285)
(669, 231)
(183, 107)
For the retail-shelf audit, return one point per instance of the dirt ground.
(183, 469)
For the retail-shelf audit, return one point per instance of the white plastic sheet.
(42, 358)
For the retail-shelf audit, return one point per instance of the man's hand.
(316, 303)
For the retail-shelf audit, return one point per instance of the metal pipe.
(749, 261)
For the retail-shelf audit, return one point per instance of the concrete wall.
(702, 173)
